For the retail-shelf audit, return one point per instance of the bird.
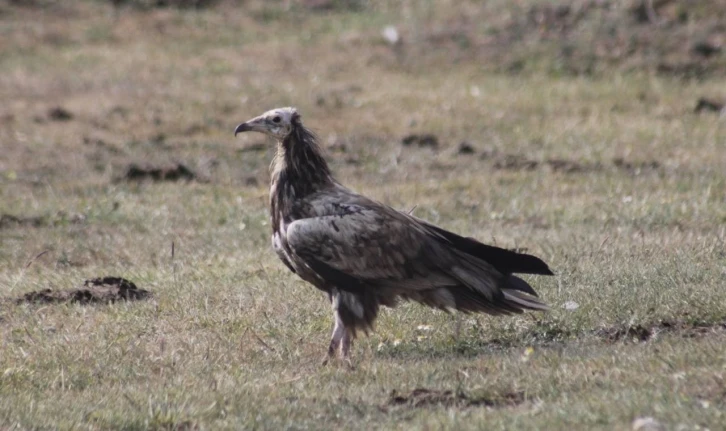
(364, 254)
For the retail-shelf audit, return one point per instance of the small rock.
(390, 34)
(647, 424)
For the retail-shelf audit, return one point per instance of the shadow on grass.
(545, 336)
(427, 398)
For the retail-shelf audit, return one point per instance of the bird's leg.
(344, 352)
(339, 333)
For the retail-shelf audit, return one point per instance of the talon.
(348, 364)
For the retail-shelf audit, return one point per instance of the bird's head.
(277, 123)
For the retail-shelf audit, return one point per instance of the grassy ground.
(609, 176)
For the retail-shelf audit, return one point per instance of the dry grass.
(612, 179)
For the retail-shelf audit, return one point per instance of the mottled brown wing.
(374, 249)
(370, 247)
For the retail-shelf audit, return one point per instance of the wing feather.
(368, 245)
(372, 248)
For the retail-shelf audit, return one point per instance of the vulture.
(364, 254)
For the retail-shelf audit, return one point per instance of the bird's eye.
(276, 119)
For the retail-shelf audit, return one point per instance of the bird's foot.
(339, 350)
(348, 363)
(339, 359)
(334, 345)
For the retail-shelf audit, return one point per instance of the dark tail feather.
(521, 293)
(516, 283)
(504, 261)
(510, 301)
(467, 300)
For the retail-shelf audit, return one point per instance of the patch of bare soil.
(548, 335)
(151, 4)
(9, 220)
(711, 105)
(59, 113)
(571, 166)
(159, 173)
(331, 5)
(636, 167)
(422, 141)
(423, 398)
(515, 162)
(96, 290)
(465, 148)
(643, 333)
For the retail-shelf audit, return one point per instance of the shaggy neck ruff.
(298, 170)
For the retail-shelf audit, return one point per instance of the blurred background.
(121, 81)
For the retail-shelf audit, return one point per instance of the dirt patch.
(422, 398)
(546, 334)
(332, 5)
(59, 114)
(151, 4)
(710, 105)
(251, 181)
(9, 220)
(572, 167)
(96, 290)
(465, 148)
(422, 141)
(515, 162)
(159, 173)
(646, 332)
(635, 333)
(706, 49)
(636, 167)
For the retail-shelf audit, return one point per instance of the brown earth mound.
(96, 290)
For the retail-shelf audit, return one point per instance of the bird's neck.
(298, 170)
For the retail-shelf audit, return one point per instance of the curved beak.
(257, 124)
(244, 127)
